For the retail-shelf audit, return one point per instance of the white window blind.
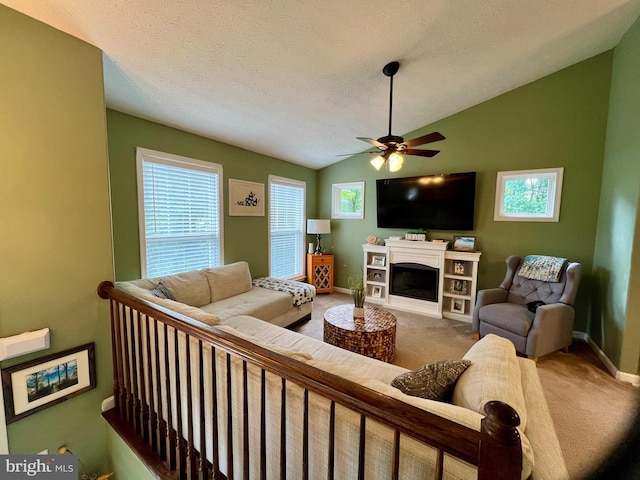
(180, 213)
(286, 227)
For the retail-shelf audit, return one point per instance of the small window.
(347, 200)
(528, 195)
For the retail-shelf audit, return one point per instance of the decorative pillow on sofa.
(494, 374)
(228, 280)
(162, 291)
(434, 381)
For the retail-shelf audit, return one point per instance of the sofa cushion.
(228, 280)
(189, 287)
(258, 302)
(511, 317)
(434, 381)
(494, 374)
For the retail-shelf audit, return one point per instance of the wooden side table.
(374, 336)
(320, 271)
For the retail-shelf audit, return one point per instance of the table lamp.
(318, 227)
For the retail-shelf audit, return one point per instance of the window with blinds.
(180, 205)
(286, 227)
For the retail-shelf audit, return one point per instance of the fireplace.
(414, 280)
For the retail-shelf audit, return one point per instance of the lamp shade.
(315, 226)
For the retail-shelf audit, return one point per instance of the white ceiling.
(300, 79)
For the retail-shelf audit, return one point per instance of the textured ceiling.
(300, 79)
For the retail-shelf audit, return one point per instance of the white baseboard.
(342, 290)
(613, 370)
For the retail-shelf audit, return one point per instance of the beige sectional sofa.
(223, 293)
(231, 304)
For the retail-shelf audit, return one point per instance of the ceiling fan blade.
(373, 142)
(430, 137)
(421, 153)
(352, 154)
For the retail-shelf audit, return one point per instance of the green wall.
(557, 121)
(615, 324)
(55, 245)
(245, 237)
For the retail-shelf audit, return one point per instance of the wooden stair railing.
(152, 364)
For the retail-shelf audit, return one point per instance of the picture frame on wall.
(41, 383)
(246, 199)
(464, 243)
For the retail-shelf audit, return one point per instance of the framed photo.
(38, 384)
(246, 198)
(347, 200)
(464, 244)
(378, 260)
(376, 292)
(458, 268)
(457, 305)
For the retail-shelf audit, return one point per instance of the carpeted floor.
(591, 410)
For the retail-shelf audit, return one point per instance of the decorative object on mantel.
(464, 244)
(372, 240)
(416, 235)
(391, 148)
(318, 227)
(356, 285)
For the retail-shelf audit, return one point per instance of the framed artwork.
(377, 260)
(457, 305)
(376, 292)
(38, 384)
(528, 195)
(347, 200)
(464, 244)
(246, 198)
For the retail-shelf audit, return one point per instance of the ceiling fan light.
(395, 162)
(377, 162)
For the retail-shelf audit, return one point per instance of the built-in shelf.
(457, 286)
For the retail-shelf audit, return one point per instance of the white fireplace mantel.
(379, 258)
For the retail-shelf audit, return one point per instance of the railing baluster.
(263, 425)
(171, 434)
(161, 431)
(151, 409)
(283, 431)
(133, 340)
(439, 464)
(305, 436)
(229, 421)
(180, 446)
(203, 465)
(361, 455)
(396, 454)
(127, 369)
(245, 421)
(191, 464)
(214, 424)
(142, 395)
(332, 440)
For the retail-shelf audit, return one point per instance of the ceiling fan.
(391, 148)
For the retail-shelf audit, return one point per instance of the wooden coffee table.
(374, 336)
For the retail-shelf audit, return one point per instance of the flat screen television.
(431, 202)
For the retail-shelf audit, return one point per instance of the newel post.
(102, 289)
(500, 456)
